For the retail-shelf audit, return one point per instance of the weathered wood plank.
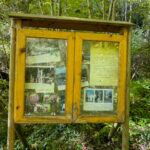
(68, 19)
(125, 126)
(70, 23)
(71, 26)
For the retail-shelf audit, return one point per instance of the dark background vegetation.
(84, 136)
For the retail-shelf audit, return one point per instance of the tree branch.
(98, 7)
(52, 7)
(130, 17)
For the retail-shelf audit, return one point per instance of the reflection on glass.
(99, 78)
(45, 77)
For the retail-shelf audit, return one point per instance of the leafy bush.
(140, 100)
(95, 136)
(3, 111)
(140, 134)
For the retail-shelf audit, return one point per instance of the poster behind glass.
(99, 78)
(45, 76)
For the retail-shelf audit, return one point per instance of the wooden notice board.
(69, 70)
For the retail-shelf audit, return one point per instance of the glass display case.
(70, 76)
(68, 70)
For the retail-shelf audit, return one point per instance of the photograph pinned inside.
(99, 96)
(108, 96)
(98, 100)
(61, 78)
(90, 95)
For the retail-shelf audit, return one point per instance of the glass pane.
(99, 79)
(45, 77)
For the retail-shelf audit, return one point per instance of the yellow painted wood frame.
(122, 39)
(22, 34)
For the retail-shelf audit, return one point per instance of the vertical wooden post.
(125, 126)
(11, 131)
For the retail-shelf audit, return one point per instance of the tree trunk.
(55, 7)
(114, 10)
(27, 5)
(41, 7)
(65, 8)
(52, 7)
(125, 11)
(59, 8)
(130, 17)
(104, 9)
(110, 10)
(89, 8)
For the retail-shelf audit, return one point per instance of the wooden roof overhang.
(70, 23)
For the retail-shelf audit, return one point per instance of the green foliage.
(3, 134)
(69, 137)
(3, 111)
(59, 136)
(140, 100)
(140, 53)
(3, 99)
(139, 114)
(140, 134)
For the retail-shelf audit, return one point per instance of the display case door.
(44, 76)
(100, 77)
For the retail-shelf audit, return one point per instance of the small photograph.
(43, 74)
(48, 75)
(46, 98)
(44, 103)
(61, 78)
(99, 96)
(54, 105)
(86, 52)
(41, 50)
(62, 102)
(31, 99)
(84, 76)
(55, 52)
(86, 59)
(98, 100)
(41, 108)
(108, 96)
(90, 95)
